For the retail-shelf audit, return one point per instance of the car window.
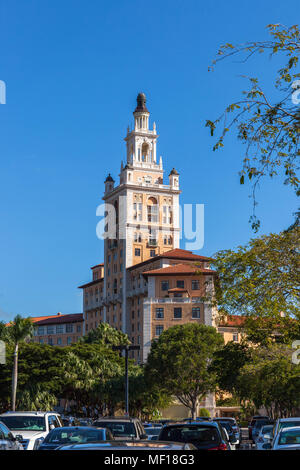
(5, 431)
(191, 434)
(118, 428)
(53, 421)
(289, 437)
(24, 423)
(74, 435)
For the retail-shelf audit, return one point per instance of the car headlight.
(37, 443)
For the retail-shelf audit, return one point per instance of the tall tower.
(143, 212)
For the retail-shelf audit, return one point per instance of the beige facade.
(58, 330)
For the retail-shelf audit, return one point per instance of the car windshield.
(198, 435)
(152, 431)
(260, 423)
(119, 429)
(63, 436)
(24, 423)
(289, 437)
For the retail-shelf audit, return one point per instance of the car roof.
(129, 444)
(287, 420)
(193, 423)
(29, 413)
(70, 428)
(116, 418)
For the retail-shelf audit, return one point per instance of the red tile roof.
(178, 269)
(233, 320)
(177, 253)
(97, 266)
(91, 283)
(53, 319)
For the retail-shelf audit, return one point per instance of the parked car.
(75, 435)
(264, 437)
(282, 423)
(123, 427)
(234, 437)
(236, 428)
(286, 439)
(203, 435)
(33, 426)
(130, 445)
(259, 423)
(152, 433)
(252, 422)
(7, 440)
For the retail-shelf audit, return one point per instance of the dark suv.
(252, 423)
(203, 435)
(123, 428)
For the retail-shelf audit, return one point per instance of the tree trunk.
(14, 379)
(194, 410)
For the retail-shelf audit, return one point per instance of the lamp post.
(126, 348)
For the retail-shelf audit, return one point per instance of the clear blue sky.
(73, 69)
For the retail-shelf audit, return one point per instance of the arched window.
(152, 210)
(145, 151)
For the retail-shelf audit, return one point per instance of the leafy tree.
(267, 123)
(36, 399)
(105, 334)
(265, 331)
(179, 361)
(227, 364)
(19, 330)
(272, 381)
(261, 279)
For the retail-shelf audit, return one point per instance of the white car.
(287, 439)
(264, 437)
(32, 426)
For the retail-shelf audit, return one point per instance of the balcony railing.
(173, 300)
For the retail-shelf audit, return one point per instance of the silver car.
(287, 439)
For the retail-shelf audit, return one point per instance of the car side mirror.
(51, 427)
(18, 437)
(232, 439)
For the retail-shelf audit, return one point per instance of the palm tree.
(19, 330)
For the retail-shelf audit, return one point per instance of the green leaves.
(178, 362)
(262, 278)
(270, 130)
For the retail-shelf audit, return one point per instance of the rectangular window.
(59, 329)
(159, 313)
(69, 340)
(41, 330)
(137, 252)
(158, 330)
(50, 341)
(69, 328)
(196, 312)
(50, 330)
(59, 341)
(195, 285)
(78, 328)
(235, 338)
(152, 253)
(180, 284)
(41, 341)
(177, 312)
(164, 285)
